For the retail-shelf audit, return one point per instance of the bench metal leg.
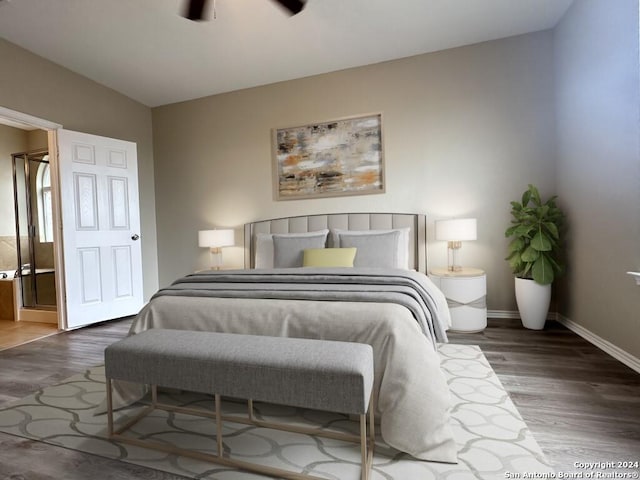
(363, 445)
(367, 453)
(372, 440)
(219, 424)
(250, 406)
(109, 408)
(154, 395)
(115, 433)
(366, 444)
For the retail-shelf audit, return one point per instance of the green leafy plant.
(535, 248)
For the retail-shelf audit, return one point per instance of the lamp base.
(216, 258)
(453, 256)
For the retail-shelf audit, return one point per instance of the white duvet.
(412, 396)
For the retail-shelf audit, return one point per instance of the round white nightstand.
(466, 293)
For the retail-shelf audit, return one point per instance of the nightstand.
(466, 293)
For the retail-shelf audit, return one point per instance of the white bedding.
(412, 394)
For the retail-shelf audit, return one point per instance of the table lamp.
(215, 240)
(454, 231)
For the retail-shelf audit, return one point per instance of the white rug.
(493, 439)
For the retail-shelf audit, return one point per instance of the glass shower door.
(34, 230)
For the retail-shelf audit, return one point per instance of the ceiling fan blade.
(294, 6)
(195, 9)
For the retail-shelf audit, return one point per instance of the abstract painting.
(339, 157)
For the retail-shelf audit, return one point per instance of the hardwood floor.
(27, 368)
(16, 333)
(581, 404)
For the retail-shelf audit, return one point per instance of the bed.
(379, 295)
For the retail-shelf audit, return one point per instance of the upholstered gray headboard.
(345, 221)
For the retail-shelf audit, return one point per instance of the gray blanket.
(407, 288)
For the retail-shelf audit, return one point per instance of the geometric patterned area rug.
(494, 442)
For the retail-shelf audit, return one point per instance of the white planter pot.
(533, 302)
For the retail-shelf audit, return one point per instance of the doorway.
(26, 250)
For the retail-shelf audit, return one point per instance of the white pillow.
(402, 254)
(264, 246)
(264, 251)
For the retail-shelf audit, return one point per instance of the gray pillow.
(264, 246)
(379, 250)
(288, 250)
(403, 243)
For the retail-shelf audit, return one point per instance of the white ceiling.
(147, 51)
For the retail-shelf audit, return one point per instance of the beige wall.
(12, 140)
(37, 139)
(598, 98)
(35, 86)
(465, 131)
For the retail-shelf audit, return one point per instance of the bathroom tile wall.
(8, 253)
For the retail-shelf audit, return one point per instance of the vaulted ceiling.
(146, 50)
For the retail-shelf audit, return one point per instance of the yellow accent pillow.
(329, 257)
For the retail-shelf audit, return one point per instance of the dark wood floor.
(581, 404)
(27, 368)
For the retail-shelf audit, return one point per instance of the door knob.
(135, 236)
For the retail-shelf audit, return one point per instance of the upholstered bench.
(315, 374)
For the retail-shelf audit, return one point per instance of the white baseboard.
(604, 345)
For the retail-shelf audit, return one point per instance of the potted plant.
(534, 254)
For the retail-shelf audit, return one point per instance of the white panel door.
(100, 227)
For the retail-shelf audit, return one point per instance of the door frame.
(58, 256)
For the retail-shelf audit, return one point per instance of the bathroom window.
(45, 222)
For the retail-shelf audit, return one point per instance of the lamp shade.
(456, 229)
(216, 238)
